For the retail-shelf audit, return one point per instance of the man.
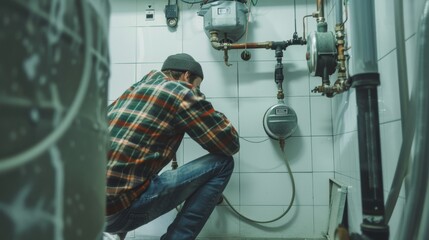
(147, 124)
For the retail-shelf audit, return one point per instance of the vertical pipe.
(363, 36)
(407, 122)
(415, 217)
(401, 59)
(320, 11)
(339, 11)
(373, 224)
(365, 80)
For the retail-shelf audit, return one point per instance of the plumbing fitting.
(327, 90)
(325, 54)
(278, 74)
(225, 46)
(342, 83)
(321, 58)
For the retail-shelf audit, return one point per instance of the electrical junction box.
(150, 14)
(172, 15)
(171, 11)
(225, 17)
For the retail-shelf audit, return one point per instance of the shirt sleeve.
(208, 127)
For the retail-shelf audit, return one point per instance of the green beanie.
(183, 62)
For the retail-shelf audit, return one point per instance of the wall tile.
(391, 142)
(354, 198)
(266, 156)
(322, 154)
(219, 80)
(232, 191)
(321, 220)
(121, 78)
(123, 13)
(346, 159)
(145, 68)
(157, 227)
(321, 188)
(301, 105)
(412, 13)
(254, 190)
(122, 45)
(256, 79)
(321, 116)
(150, 50)
(388, 91)
(298, 222)
(227, 106)
(251, 115)
(344, 112)
(222, 222)
(385, 27)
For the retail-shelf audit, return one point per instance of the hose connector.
(282, 143)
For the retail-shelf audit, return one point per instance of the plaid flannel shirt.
(147, 123)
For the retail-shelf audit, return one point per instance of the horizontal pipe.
(221, 46)
(267, 45)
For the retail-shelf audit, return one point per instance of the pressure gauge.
(321, 53)
(311, 54)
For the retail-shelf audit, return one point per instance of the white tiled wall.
(260, 187)
(346, 158)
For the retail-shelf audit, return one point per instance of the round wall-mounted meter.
(321, 53)
(280, 121)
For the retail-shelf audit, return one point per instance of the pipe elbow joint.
(216, 45)
(214, 40)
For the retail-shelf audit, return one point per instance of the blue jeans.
(199, 183)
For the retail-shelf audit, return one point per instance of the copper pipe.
(303, 26)
(266, 45)
(320, 11)
(222, 46)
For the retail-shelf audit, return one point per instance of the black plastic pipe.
(373, 225)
